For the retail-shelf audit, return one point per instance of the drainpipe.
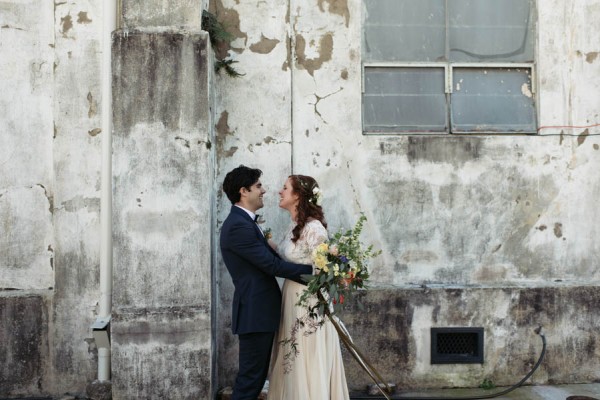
(109, 25)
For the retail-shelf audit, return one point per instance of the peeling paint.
(94, 132)
(230, 18)
(288, 61)
(591, 56)
(558, 230)
(582, 136)
(230, 152)
(525, 90)
(91, 204)
(82, 18)
(339, 7)
(93, 105)
(67, 24)
(344, 74)
(312, 64)
(223, 130)
(264, 46)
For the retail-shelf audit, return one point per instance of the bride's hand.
(272, 244)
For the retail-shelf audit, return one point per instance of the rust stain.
(67, 24)
(325, 52)
(230, 19)
(94, 132)
(339, 7)
(264, 46)
(591, 56)
(82, 18)
(582, 136)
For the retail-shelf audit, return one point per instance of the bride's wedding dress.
(316, 372)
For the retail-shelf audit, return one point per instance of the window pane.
(404, 30)
(491, 30)
(404, 99)
(492, 100)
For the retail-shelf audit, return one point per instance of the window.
(448, 66)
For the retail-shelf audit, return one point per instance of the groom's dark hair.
(238, 178)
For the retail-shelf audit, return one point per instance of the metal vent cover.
(456, 345)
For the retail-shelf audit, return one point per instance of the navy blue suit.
(253, 266)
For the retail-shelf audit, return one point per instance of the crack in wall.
(319, 98)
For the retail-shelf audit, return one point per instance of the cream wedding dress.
(316, 372)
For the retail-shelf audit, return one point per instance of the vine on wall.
(218, 34)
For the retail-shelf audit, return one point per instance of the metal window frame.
(448, 72)
(448, 90)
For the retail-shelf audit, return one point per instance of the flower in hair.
(317, 196)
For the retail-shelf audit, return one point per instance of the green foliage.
(218, 34)
(487, 384)
(226, 65)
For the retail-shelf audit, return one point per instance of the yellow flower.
(325, 269)
(323, 248)
(336, 273)
(321, 262)
(336, 268)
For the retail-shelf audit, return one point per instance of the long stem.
(358, 356)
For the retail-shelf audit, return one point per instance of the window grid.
(448, 67)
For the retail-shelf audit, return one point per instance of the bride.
(312, 369)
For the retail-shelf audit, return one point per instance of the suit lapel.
(245, 215)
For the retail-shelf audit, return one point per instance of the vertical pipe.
(109, 25)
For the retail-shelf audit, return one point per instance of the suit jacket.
(253, 266)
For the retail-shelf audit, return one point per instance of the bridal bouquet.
(342, 267)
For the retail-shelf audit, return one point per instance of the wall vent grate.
(456, 345)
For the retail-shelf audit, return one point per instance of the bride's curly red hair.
(303, 186)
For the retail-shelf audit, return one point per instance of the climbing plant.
(218, 35)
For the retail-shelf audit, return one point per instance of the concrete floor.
(559, 392)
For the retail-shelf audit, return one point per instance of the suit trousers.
(254, 358)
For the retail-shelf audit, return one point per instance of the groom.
(253, 266)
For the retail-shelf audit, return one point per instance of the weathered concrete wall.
(472, 210)
(161, 13)
(398, 341)
(26, 187)
(163, 174)
(253, 127)
(24, 338)
(49, 188)
(76, 168)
